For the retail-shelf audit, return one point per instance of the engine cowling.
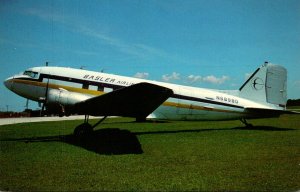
(64, 97)
(61, 101)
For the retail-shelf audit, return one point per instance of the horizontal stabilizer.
(262, 113)
(138, 101)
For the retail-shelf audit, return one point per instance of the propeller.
(45, 98)
(26, 105)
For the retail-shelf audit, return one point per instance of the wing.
(138, 101)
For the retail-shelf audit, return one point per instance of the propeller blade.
(46, 98)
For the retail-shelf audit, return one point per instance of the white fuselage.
(66, 86)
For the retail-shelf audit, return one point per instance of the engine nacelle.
(64, 97)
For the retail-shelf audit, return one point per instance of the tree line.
(293, 102)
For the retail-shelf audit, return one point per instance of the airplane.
(68, 91)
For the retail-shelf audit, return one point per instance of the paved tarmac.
(7, 121)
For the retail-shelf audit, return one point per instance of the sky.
(212, 44)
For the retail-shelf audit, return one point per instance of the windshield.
(31, 74)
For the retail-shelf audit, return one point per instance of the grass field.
(153, 156)
(294, 108)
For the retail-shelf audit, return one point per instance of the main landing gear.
(244, 121)
(86, 129)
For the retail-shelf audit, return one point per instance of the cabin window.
(107, 90)
(85, 86)
(62, 83)
(31, 74)
(100, 88)
(93, 87)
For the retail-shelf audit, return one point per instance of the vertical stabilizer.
(267, 85)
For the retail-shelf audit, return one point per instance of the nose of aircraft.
(9, 83)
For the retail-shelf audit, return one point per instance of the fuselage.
(66, 86)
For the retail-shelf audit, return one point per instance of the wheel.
(140, 119)
(83, 130)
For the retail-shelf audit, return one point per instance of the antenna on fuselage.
(47, 63)
(26, 105)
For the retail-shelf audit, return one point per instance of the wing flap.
(138, 101)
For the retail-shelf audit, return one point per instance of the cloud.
(141, 75)
(208, 79)
(194, 78)
(78, 25)
(16, 43)
(173, 76)
(215, 80)
(135, 49)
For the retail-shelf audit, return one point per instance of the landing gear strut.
(244, 121)
(85, 128)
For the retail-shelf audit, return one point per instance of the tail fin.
(267, 85)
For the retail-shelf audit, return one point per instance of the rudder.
(268, 84)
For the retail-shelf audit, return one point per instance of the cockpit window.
(31, 74)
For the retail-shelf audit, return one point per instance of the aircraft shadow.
(256, 128)
(114, 141)
(147, 121)
(263, 128)
(111, 141)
